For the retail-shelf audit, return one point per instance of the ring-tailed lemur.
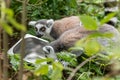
(68, 38)
(54, 28)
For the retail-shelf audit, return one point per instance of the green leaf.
(33, 1)
(98, 34)
(42, 70)
(84, 76)
(92, 47)
(88, 22)
(72, 3)
(108, 35)
(39, 61)
(31, 31)
(67, 57)
(9, 12)
(56, 75)
(80, 42)
(107, 18)
(76, 48)
(36, 12)
(57, 71)
(57, 65)
(7, 28)
(15, 61)
(15, 24)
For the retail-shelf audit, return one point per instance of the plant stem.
(23, 41)
(5, 44)
(79, 66)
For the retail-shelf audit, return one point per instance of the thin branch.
(0, 52)
(20, 77)
(79, 66)
(5, 65)
(5, 44)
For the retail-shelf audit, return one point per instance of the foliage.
(48, 69)
(10, 19)
(91, 47)
(88, 20)
(38, 9)
(40, 67)
(92, 9)
(69, 58)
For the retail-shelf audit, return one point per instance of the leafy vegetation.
(89, 66)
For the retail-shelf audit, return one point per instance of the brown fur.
(68, 38)
(63, 25)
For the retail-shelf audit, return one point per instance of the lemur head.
(42, 26)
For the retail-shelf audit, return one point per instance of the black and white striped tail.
(111, 6)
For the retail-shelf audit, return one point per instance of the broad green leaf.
(98, 34)
(38, 61)
(107, 18)
(80, 42)
(9, 12)
(57, 65)
(15, 24)
(108, 35)
(88, 22)
(57, 69)
(56, 75)
(7, 28)
(42, 70)
(76, 48)
(92, 47)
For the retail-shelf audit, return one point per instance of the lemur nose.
(39, 35)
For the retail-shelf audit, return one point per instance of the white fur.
(114, 19)
(38, 26)
(32, 23)
(50, 23)
(32, 57)
(113, 9)
(51, 53)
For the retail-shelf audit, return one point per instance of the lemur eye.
(42, 29)
(36, 29)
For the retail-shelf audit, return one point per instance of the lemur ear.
(50, 22)
(32, 23)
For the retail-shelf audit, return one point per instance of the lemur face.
(42, 27)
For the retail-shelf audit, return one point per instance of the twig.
(79, 66)
(5, 43)
(23, 41)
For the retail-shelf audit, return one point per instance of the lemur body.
(55, 28)
(68, 30)
(70, 37)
